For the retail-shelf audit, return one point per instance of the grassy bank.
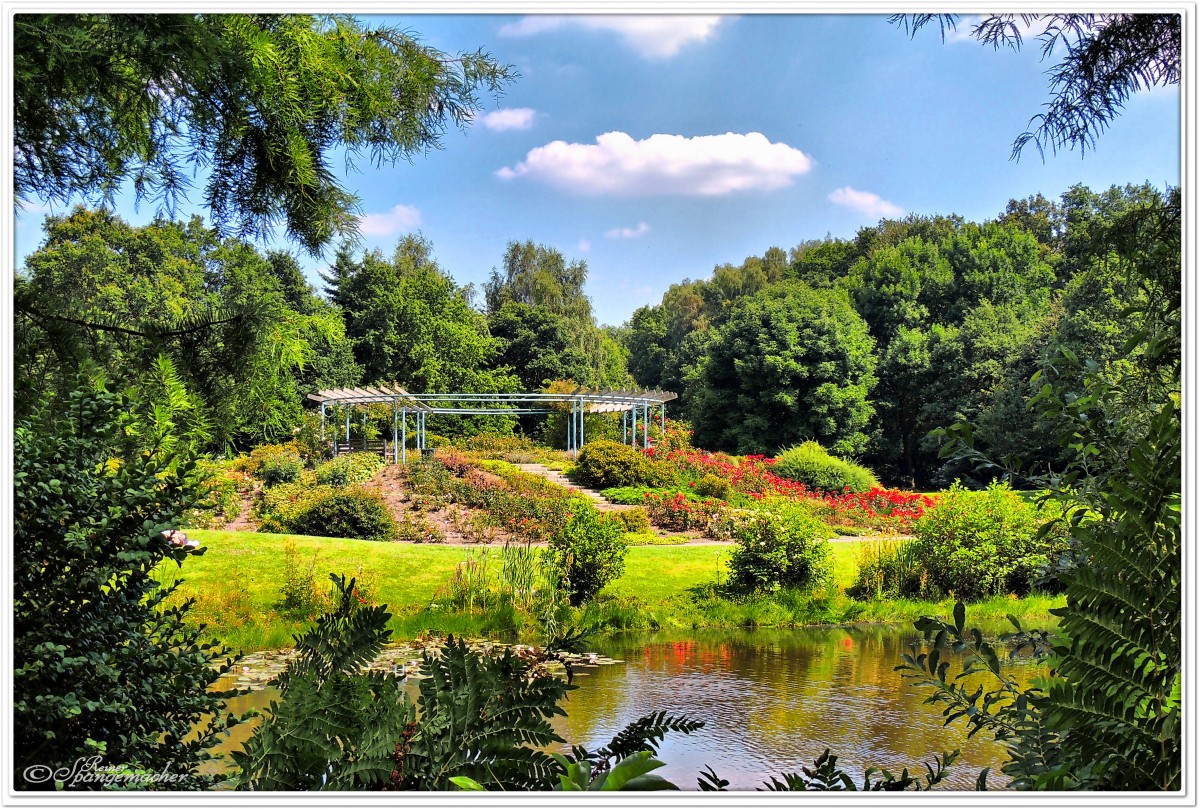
(237, 587)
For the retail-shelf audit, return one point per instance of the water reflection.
(771, 700)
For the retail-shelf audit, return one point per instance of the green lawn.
(237, 585)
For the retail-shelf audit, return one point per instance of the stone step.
(554, 476)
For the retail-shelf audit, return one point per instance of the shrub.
(713, 486)
(780, 544)
(223, 488)
(633, 496)
(634, 520)
(350, 468)
(604, 464)
(353, 513)
(589, 551)
(811, 465)
(279, 470)
(516, 449)
(977, 544)
(276, 508)
(417, 529)
(678, 512)
(104, 661)
(890, 569)
(258, 456)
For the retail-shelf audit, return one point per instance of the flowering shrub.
(260, 455)
(223, 499)
(276, 508)
(679, 513)
(977, 544)
(780, 544)
(884, 510)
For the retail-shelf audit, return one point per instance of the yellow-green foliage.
(634, 520)
(225, 487)
(349, 468)
(811, 465)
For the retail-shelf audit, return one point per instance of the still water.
(772, 701)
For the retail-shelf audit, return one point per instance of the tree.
(411, 324)
(1108, 58)
(539, 276)
(260, 101)
(790, 364)
(104, 662)
(100, 290)
(536, 344)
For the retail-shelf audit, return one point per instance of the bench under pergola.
(633, 405)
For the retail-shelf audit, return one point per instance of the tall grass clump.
(890, 569)
(811, 465)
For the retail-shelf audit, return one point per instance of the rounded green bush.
(714, 486)
(279, 470)
(978, 544)
(588, 552)
(347, 513)
(603, 464)
(780, 545)
(811, 465)
(351, 468)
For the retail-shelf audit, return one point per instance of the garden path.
(554, 476)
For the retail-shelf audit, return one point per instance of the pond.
(771, 700)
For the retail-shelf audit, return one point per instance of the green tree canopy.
(103, 291)
(261, 102)
(791, 363)
(537, 345)
(411, 324)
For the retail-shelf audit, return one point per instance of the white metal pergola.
(633, 405)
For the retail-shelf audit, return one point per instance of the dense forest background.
(864, 344)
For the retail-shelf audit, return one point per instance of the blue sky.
(657, 148)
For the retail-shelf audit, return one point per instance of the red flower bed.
(883, 509)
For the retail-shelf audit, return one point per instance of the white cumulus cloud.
(584, 246)
(400, 218)
(865, 202)
(629, 233)
(512, 118)
(652, 36)
(705, 165)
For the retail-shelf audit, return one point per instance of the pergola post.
(582, 411)
(645, 425)
(404, 435)
(322, 423)
(395, 431)
(664, 420)
(364, 428)
(347, 427)
(571, 430)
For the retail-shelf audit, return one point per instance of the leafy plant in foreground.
(104, 664)
(1110, 715)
